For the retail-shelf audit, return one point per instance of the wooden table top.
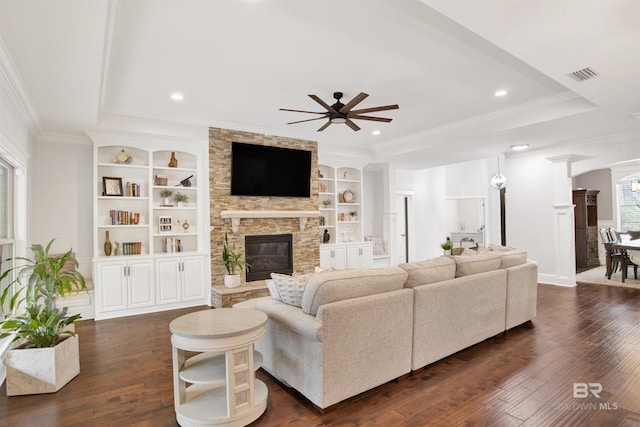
(218, 323)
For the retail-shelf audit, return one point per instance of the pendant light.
(498, 180)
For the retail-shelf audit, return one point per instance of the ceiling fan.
(343, 113)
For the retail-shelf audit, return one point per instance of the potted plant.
(232, 261)
(326, 203)
(181, 199)
(447, 246)
(45, 356)
(166, 194)
(353, 215)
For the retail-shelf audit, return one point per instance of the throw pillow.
(273, 290)
(290, 288)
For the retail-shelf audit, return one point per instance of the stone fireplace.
(270, 253)
(305, 243)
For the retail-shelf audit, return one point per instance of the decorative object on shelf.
(326, 237)
(181, 199)
(323, 187)
(447, 246)
(164, 224)
(111, 186)
(353, 215)
(185, 182)
(232, 261)
(173, 162)
(348, 196)
(185, 226)
(48, 357)
(161, 180)
(326, 203)
(107, 244)
(341, 217)
(321, 221)
(166, 194)
(344, 175)
(320, 174)
(116, 249)
(123, 157)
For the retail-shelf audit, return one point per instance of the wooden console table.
(223, 390)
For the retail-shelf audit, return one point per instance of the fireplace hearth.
(272, 253)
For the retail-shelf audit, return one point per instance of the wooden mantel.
(236, 216)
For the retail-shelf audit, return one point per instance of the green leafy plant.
(353, 214)
(45, 278)
(181, 198)
(232, 260)
(447, 246)
(166, 193)
(326, 203)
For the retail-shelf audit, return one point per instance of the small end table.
(223, 390)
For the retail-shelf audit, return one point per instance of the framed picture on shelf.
(111, 186)
(164, 224)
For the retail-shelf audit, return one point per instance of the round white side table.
(223, 390)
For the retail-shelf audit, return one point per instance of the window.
(629, 203)
(6, 218)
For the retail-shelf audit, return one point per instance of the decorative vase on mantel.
(107, 244)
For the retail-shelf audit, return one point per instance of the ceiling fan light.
(338, 120)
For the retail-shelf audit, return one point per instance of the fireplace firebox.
(272, 253)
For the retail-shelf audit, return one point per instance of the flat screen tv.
(261, 170)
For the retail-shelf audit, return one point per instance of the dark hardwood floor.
(588, 334)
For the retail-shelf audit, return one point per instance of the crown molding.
(499, 115)
(12, 84)
(107, 52)
(63, 138)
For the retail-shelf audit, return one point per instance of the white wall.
(62, 176)
(599, 179)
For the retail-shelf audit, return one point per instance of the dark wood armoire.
(586, 220)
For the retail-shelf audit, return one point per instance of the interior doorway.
(404, 229)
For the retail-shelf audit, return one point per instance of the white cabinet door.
(192, 276)
(111, 286)
(168, 280)
(140, 276)
(360, 256)
(334, 256)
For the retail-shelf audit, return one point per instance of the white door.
(404, 232)
(168, 280)
(140, 283)
(192, 278)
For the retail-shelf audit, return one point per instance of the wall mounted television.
(261, 170)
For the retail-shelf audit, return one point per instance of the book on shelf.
(124, 217)
(133, 189)
(131, 248)
(171, 245)
(162, 180)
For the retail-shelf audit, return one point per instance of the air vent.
(584, 74)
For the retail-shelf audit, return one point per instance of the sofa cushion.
(429, 271)
(273, 290)
(498, 248)
(290, 288)
(512, 258)
(337, 285)
(467, 265)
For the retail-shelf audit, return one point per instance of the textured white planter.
(42, 370)
(231, 280)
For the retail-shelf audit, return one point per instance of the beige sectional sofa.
(357, 329)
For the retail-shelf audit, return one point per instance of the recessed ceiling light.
(519, 147)
(375, 132)
(177, 96)
(500, 92)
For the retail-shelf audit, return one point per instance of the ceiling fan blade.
(355, 101)
(374, 109)
(301, 111)
(308, 120)
(352, 125)
(374, 119)
(324, 104)
(324, 126)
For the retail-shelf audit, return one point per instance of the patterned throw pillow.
(290, 288)
(273, 290)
